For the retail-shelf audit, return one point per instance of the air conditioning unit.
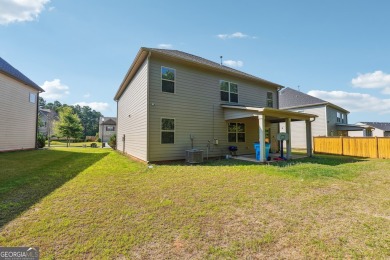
(194, 156)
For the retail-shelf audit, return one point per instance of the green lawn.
(95, 203)
(78, 144)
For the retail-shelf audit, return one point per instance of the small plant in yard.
(112, 141)
(93, 145)
(41, 140)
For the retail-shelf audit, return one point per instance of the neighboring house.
(107, 127)
(379, 129)
(47, 118)
(171, 101)
(18, 109)
(332, 120)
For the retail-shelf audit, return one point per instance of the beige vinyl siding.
(379, 133)
(196, 108)
(298, 129)
(332, 120)
(132, 116)
(17, 115)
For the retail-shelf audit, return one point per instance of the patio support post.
(288, 141)
(262, 137)
(309, 144)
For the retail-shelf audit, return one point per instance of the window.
(167, 131)
(236, 132)
(229, 91)
(110, 128)
(339, 117)
(32, 98)
(168, 80)
(270, 99)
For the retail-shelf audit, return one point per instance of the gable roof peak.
(12, 72)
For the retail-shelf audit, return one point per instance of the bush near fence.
(371, 147)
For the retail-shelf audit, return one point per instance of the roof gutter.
(141, 56)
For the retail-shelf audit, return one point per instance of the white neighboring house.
(170, 102)
(107, 127)
(332, 120)
(47, 117)
(379, 129)
(18, 109)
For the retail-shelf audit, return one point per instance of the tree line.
(73, 121)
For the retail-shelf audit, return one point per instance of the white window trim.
(238, 91)
(174, 130)
(174, 81)
(227, 126)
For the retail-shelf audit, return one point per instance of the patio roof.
(273, 115)
(347, 127)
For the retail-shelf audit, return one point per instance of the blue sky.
(79, 51)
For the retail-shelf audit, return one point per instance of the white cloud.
(232, 36)
(87, 95)
(354, 102)
(98, 106)
(165, 46)
(376, 79)
(54, 90)
(12, 11)
(233, 63)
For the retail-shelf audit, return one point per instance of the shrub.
(99, 140)
(41, 140)
(93, 145)
(112, 141)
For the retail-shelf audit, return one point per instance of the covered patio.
(271, 115)
(273, 156)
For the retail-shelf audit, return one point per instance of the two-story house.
(107, 128)
(18, 109)
(378, 129)
(47, 118)
(332, 120)
(171, 101)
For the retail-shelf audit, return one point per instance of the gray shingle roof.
(289, 98)
(9, 70)
(379, 125)
(108, 120)
(208, 63)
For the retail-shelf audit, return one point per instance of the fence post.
(342, 145)
(376, 147)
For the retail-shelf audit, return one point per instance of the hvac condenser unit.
(194, 156)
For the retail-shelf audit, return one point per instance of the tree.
(42, 102)
(89, 117)
(68, 125)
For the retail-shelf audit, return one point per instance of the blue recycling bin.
(257, 149)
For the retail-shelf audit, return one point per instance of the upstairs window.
(167, 130)
(270, 99)
(168, 77)
(110, 128)
(32, 98)
(229, 91)
(236, 132)
(339, 117)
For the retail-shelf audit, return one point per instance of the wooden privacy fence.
(371, 147)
